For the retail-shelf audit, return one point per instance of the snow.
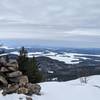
(71, 90)
(68, 58)
(15, 53)
(4, 54)
(54, 79)
(65, 58)
(50, 72)
(84, 58)
(36, 54)
(5, 47)
(50, 54)
(97, 60)
(12, 97)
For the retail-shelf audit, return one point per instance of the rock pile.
(13, 81)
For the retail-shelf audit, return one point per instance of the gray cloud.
(79, 13)
(60, 21)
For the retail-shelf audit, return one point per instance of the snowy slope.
(71, 90)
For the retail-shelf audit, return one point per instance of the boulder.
(23, 90)
(2, 60)
(12, 88)
(29, 98)
(15, 74)
(23, 80)
(14, 80)
(34, 88)
(3, 69)
(12, 65)
(13, 61)
(3, 81)
(12, 68)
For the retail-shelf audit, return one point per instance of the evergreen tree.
(23, 52)
(29, 66)
(7, 58)
(22, 59)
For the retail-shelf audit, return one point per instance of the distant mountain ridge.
(60, 64)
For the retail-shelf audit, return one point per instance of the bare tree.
(83, 75)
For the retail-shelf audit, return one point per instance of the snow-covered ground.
(5, 47)
(69, 58)
(71, 90)
(66, 57)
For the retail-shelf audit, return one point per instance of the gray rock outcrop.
(13, 81)
(3, 81)
(15, 74)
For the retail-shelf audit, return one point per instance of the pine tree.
(22, 59)
(36, 76)
(7, 58)
(23, 52)
(29, 66)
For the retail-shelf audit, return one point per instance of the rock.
(15, 74)
(13, 61)
(3, 69)
(29, 98)
(20, 98)
(12, 88)
(34, 88)
(2, 60)
(23, 90)
(3, 81)
(12, 68)
(12, 65)
(23, 80)
(14, 80)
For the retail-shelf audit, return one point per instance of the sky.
(65, 23)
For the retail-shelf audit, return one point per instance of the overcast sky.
(68, 23)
